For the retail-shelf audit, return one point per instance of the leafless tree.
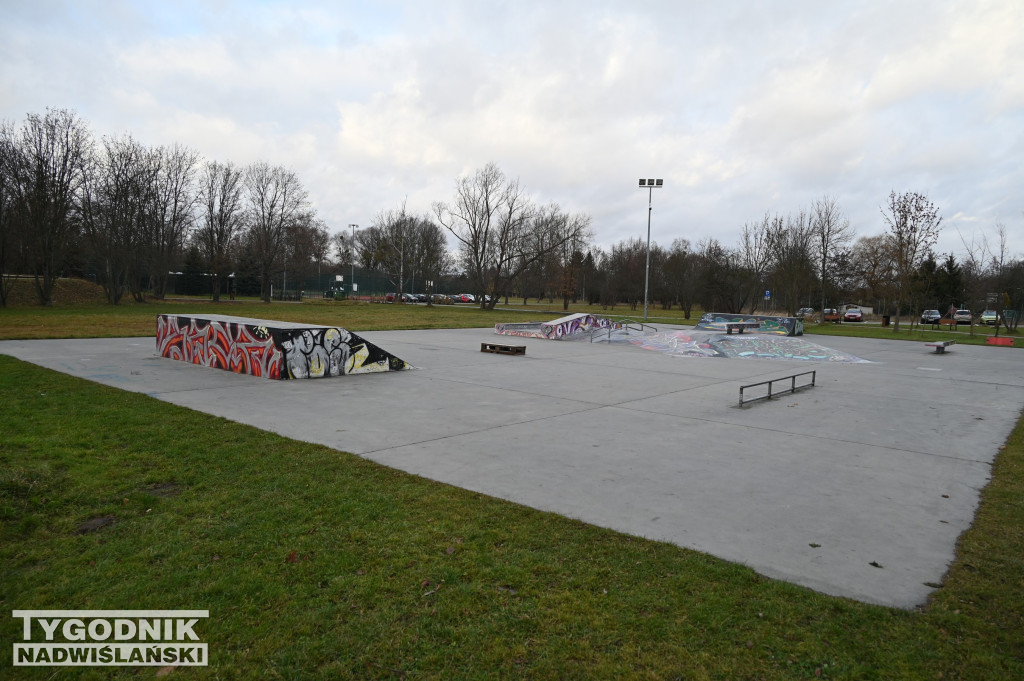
(390, 246)
(174, 212)
(755, 251)
(570, 234)
(117, 204)
(872, 258)
(913, 223)
(10, 232)
(832, 233)
(494, 222)
(681, 274)
(277, 201)
(222, 217)
(433, 259)
(45, 167)
(793, 262)
(320, 245)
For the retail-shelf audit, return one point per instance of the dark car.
(853, 315)
(930, 317)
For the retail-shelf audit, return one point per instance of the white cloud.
(742, 107)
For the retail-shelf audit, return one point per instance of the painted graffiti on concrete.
(524, 329)
(746, 346)
(557, 329)
(270, 349)
(782, 326)
(241, 348)
(318, 352)
(576, 323)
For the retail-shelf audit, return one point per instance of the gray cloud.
(743, 108)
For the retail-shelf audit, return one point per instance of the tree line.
(135, 213)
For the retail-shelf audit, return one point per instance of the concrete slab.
(881, 463)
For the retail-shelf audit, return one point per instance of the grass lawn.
(319, 564)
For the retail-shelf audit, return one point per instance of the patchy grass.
(316, 564)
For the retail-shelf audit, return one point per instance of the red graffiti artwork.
(241, 348)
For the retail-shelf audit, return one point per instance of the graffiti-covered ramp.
(269, 349)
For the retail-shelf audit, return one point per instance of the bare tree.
(913, 223)
(320, 246)
(45, 166)
(499, 237)
(389, 245)
(276, 202)
(433, 259)
(10, 232)
(873, 265)
(755, 251)
(681, 274)
(222, 217)
(832, 233)
(793, 266)
(174, 212)
(117, 204)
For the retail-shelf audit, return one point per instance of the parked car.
(962, 316)
(990, 317)
(930, 317)
(389, 298)
(853, 315)
(805, 312)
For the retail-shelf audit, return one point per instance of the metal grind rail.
(627, 325)
(793, 387)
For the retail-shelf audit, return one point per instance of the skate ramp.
(746, 346)
(557, 329)
(782, 326)
(269, 349)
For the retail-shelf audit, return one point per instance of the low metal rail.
(627, 325)
(793, 387)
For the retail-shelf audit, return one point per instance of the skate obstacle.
(781, 326)
(556, 329)
(269, 349)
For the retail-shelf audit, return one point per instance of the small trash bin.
(885, 320)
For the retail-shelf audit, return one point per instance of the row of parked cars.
(852, 314)
(990, 317)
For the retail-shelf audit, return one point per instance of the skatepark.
(859, 486)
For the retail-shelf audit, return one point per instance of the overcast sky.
(742, 107)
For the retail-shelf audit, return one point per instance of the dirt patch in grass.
(163, 489)
(95, 524)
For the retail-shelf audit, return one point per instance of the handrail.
(793, 387)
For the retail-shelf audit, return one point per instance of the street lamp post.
(650, 184)
(352, 261)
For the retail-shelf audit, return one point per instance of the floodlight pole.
(650, 184)
(352, 261)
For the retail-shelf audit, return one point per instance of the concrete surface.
(880, 463)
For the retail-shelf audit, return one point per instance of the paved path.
(881, 463)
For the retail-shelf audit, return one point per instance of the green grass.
(394, 576)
